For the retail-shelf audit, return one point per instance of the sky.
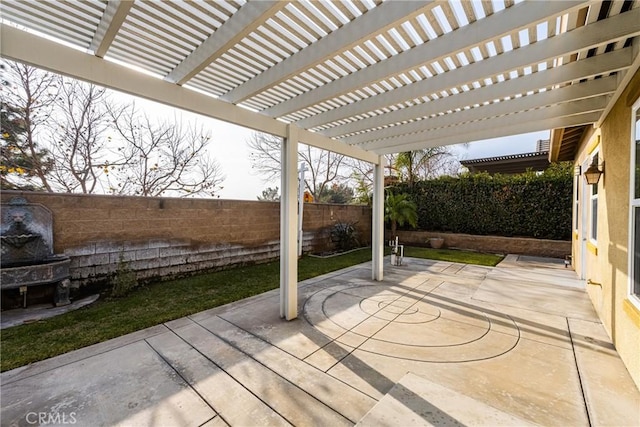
(229, 147)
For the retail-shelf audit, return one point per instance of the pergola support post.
(377, 226)
(289, 225)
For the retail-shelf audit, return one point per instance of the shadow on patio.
(436, 343)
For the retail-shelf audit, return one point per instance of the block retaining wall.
(490, 244)
(169, 237)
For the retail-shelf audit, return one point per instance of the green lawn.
(465, 257)
(160, 302)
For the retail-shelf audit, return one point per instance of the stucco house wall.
(606, 263)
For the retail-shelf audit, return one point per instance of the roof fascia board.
(555, 143)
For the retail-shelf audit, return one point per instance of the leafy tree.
(338, 193)
(270, 195)
(323, 167)
(398, 210)
(160, 157)
(425, 164)
(362, 177)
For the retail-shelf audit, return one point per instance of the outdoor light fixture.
(593, 172)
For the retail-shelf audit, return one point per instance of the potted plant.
(436, 242)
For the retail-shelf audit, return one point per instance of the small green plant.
(398, 210)
(344, 236)
(124, 279)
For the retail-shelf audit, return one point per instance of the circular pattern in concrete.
(409, 323)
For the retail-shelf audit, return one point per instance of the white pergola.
(362, 78)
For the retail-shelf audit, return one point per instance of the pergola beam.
(249, 17)
(587, 68)
(612, 29)
(623, 82)
(28, 48)
(112, 19)
(470, 129)
(509, 128)
(501, 23)
(383, 17)
(561, 95)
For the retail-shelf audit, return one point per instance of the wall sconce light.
(593, 172)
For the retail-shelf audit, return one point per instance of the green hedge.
(526, 205)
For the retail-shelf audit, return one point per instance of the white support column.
(301, 171)
(289, 225)
(377, 226)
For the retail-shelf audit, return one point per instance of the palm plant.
(398, 209)
(421, 164)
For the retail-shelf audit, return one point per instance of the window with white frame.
(634, 214)
(593, 202)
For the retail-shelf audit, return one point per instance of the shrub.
(344, 236)
(526, 205)
(124, 279)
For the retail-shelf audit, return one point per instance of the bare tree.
(78, 135)
(160, 157)
(324, 167)
(28, 97)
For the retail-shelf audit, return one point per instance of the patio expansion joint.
(186, 381)
(229, 343)
(580, 380)
(219, 367)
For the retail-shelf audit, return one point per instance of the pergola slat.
(347, 36)
(243, 22)
(508, 21)
(571, 93)
(606, 63)
(617, 27)
(486, 130)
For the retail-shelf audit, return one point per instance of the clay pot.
(436, 242)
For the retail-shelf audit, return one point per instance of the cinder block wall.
(494, 244)
(166, 237)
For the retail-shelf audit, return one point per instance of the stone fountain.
(28, 261)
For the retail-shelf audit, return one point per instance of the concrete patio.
(435, 343)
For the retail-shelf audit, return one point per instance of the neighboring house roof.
(515, 163)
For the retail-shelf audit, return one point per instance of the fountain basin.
(50, 270)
